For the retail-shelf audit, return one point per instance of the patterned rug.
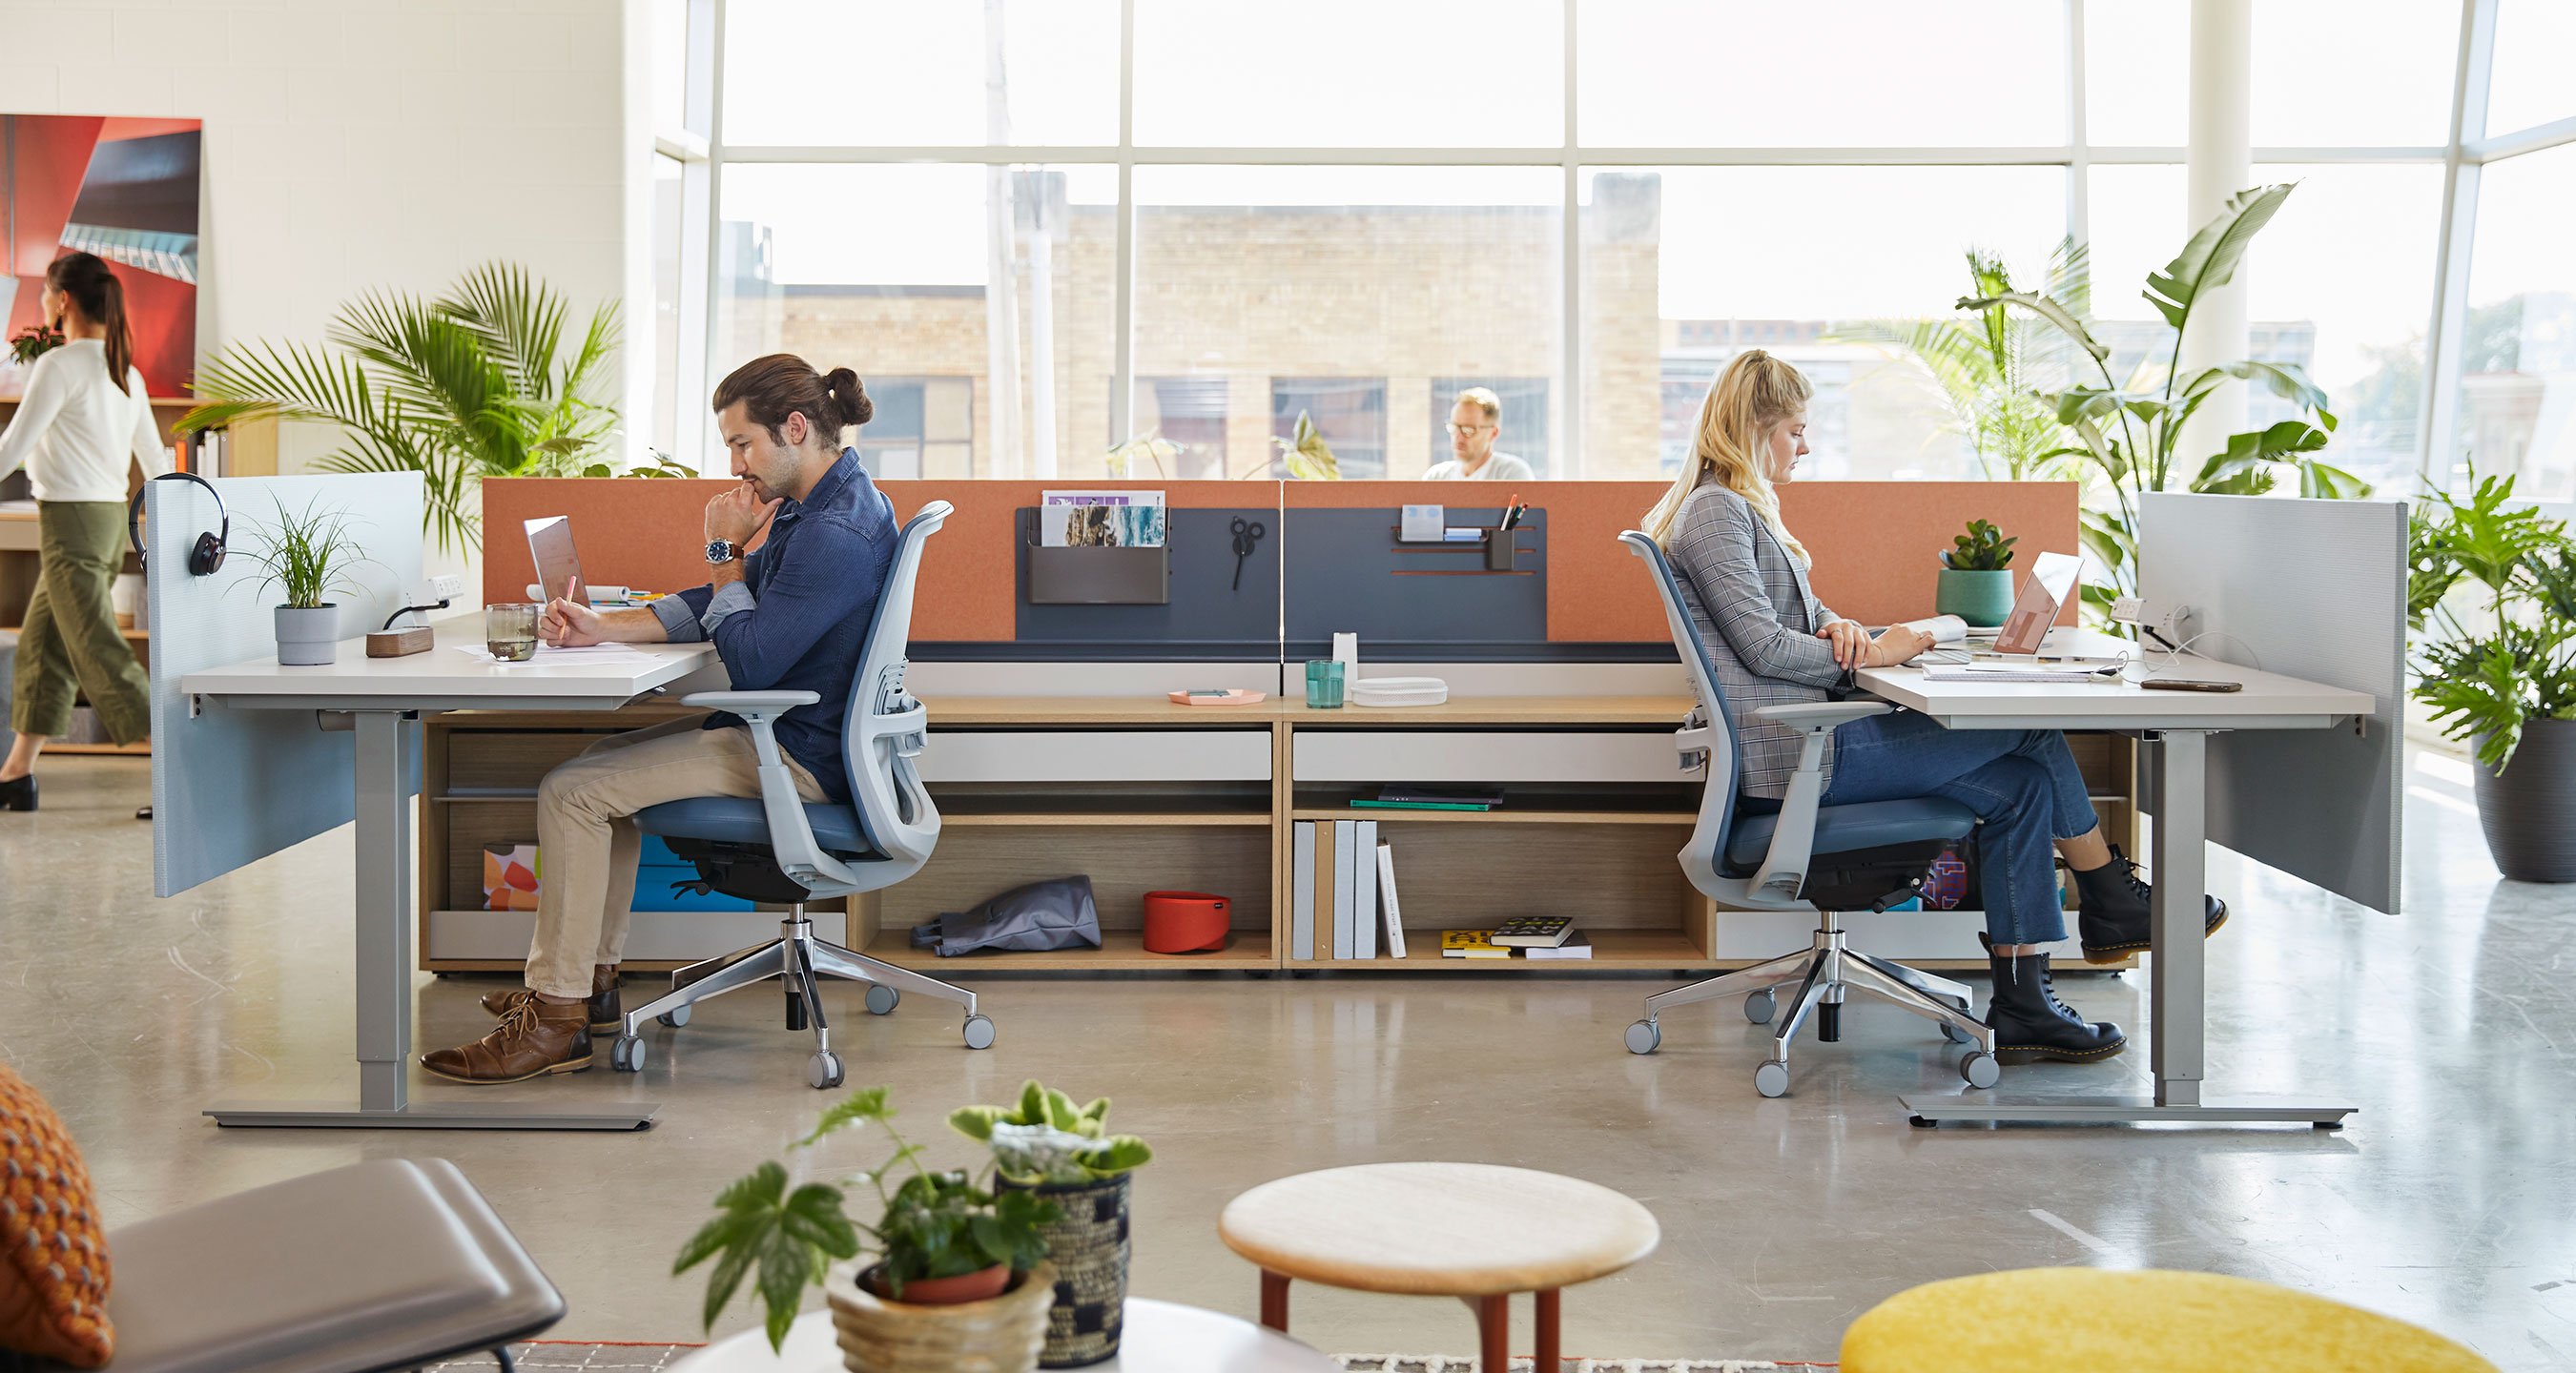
(658, 1358)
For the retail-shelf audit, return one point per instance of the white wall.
(356, 144)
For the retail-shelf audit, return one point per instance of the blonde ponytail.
(1754, 396)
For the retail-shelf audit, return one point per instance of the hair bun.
(849, 397)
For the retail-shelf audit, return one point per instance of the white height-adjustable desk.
(383, 695)
(2176, 726)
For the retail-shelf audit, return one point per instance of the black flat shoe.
(2115, 910)
(20, 794)
(142, 812)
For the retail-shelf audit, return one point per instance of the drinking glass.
(1324, 683)
(510, 632)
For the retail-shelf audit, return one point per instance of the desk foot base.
(272, 1115)
(1993, 1107)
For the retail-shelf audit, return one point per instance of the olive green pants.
(71, 639)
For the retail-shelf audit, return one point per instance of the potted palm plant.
(307, 557)
(1064, 1153)
(960, 1278)
(1975, 585)
(2502, 677)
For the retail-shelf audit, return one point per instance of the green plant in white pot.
(1976, 583)
(1064, 1153)
(307, 556)
(2501, 676)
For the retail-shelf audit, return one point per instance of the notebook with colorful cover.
(1533, 931)
(1470, 944)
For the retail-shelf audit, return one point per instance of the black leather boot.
(2114, 910)
(18, 793)
(2032, 1025)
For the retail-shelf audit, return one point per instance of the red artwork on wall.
(125, 189)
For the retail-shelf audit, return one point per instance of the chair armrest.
(1814, 715)
(750, 704)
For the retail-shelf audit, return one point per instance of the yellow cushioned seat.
(2050, 1320)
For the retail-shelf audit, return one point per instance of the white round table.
(1159, 1338)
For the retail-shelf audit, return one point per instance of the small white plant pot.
(308, 638)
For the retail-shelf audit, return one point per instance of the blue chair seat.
(740, 820)
(1842, 829)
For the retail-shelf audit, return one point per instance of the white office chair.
(783, 848)
(1806, 857)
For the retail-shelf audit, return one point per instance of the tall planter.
(1087, 1245)
(2529, 809)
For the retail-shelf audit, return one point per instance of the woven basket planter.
(1002, 1335)
(1087, 1244)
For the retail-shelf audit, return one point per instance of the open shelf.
(1066, 807)
(1611, 948)
(1504, 815)
(1121, 951)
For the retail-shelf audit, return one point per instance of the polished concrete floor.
(2450, 1201)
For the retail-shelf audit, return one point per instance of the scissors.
(1246, 534)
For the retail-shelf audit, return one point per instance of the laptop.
(550, 547)
(2044, 592)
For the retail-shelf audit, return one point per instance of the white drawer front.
(1338, 755)
(1103, 755)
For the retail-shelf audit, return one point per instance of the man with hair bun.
(790, 616)
(1475, 422)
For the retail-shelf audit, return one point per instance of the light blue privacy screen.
(232, 786)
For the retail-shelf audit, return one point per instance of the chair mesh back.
(878, 687)
(1722, 766)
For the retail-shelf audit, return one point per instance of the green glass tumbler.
(1324, 684)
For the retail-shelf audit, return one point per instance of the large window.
(2518, 360)
(1084, 221)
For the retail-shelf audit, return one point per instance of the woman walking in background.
(84, 417)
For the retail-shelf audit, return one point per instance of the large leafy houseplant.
(2488, 674)
(930, 1225)
(484, 380)
(2131, 434)
(1990, 367)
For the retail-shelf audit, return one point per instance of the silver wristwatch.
(722, 551)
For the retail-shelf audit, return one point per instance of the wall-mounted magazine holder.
(1093, 576)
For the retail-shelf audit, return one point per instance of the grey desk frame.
(2176, 725)
(382, 695)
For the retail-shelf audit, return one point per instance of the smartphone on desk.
(2184, 684)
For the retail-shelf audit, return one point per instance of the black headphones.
(207, 553)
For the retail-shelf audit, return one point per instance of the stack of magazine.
(1431, 798)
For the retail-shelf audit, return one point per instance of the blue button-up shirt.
(798, 620)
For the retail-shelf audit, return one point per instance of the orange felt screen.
(53, 1252)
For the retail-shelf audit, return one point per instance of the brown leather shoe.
(606, 1006)
(533, 1040)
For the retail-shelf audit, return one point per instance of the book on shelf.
(1471, 944)
(1370, 803)
(1301, 920)
(1533, 931)
(1345, 849)
(1440, 798)
(1363, 894)
(1386, 900)
(1576, 945)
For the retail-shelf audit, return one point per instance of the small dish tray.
(1398, 691)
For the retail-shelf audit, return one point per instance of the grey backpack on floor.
(1033, 919)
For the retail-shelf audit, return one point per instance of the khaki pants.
(71, 637)
(587, 845)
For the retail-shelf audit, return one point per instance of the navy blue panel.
(1341, 580)
(1207, 619)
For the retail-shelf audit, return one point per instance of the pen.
(1511, 511)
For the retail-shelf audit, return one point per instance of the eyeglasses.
(1456, 429)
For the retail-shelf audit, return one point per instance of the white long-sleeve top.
(74, 430)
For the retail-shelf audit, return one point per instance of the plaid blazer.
(1750, 602)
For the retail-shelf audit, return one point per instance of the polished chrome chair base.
(801, 961)
(1826, 973)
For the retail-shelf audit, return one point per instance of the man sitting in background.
(1474, 424)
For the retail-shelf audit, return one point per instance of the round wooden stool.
(1464, 1230)
(2045, 1320)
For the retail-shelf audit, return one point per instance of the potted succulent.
(1975, 585)
(2503, 677)
(960, 1278)
(307, 557)
(1049, 1147)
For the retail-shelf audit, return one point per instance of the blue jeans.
(2021, 783)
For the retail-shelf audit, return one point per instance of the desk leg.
(384, 984)
(2178, 968)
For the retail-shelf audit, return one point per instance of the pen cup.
(1323, 684)
(1500, 545)
(510, 632)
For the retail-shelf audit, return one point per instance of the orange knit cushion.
(53, 1278)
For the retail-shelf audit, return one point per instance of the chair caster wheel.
(1759, 1007)
(823, 1071)
(1980, 1069)
(674, 1019)
(980, 1033)
(882, 1000)
(1952, 1032)
(1772, 1079)
(627, 1054)
(1644, 1036)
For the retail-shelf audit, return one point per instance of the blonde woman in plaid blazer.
(1771, 642)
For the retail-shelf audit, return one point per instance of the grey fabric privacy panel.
(230, 787)
(1348, 574)
(2309, 589)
